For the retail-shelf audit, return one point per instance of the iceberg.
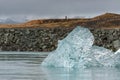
(77, 51)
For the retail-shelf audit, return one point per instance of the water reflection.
(84, 74)
(31, 70)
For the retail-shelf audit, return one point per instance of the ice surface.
(102, 55)
(77, 51)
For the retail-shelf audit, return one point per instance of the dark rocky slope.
(45, 39)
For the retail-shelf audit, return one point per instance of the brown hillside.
(107, 20)
(107, 16)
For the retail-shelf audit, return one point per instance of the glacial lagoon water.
(76, 58)
(26, 66)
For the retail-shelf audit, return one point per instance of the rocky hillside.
(46, 39)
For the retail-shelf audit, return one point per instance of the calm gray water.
(26, 66)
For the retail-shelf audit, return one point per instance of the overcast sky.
(57, 8)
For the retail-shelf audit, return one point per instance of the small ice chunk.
(116, 58)
(102, 55)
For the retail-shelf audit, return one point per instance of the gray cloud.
(58, 7)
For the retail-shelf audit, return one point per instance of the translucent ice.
(71, 49)
(76, 51)
(102, 55)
